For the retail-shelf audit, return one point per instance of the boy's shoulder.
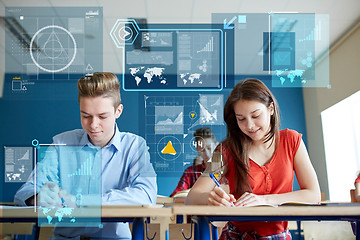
(126, 141)
(130, 137)
(76, 136)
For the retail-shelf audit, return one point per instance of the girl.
(256, 162)
(357, 189)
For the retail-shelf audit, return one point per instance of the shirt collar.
(84, 141)
(115, 141)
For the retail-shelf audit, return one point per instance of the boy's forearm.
(30, 201)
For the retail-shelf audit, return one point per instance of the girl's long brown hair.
(236, 140)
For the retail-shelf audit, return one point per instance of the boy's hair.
(104, 84)
(204, 133)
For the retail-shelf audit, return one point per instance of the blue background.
(52, 108)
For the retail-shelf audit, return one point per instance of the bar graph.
(315, 34)
(84, 170)
(209, 47)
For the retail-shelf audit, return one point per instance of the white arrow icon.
(125, 33)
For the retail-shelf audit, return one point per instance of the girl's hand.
(250, 199)
(218, 197)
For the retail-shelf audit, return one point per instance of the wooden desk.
(202, 215)
(156, 215)
(135, 214)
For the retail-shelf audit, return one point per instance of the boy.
(205, 146)
(120, 172)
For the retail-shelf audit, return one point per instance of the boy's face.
(205, 148)
(98, 118)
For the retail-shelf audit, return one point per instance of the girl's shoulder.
(289, 133)
(290, 140)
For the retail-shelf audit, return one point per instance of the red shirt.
(272, 178)
(188, 179)
(357, 180)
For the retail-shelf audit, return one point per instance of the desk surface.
(155, 211)
(320, 210)
(106, 212)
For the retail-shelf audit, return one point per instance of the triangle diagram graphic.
(89, 67)
(168, 149)
(53, 48)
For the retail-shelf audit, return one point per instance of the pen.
(62, 199)
(63, 202)
(218, 184)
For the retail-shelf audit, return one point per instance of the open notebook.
(287, 203)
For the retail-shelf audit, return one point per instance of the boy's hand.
(68, 199)
(49, 195)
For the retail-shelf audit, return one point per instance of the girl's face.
(253, 118)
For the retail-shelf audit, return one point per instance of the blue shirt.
(127, 176)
